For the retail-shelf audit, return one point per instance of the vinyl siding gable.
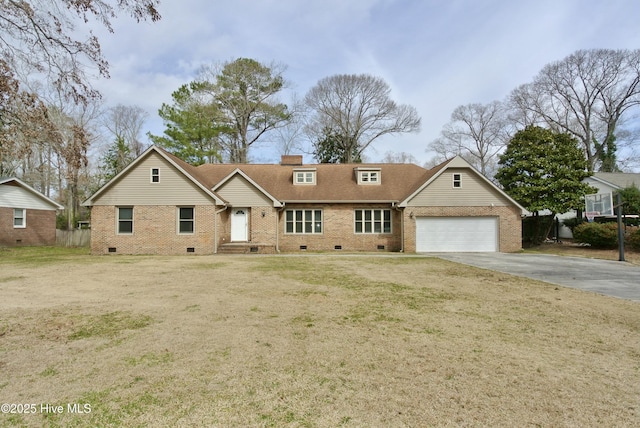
(136, 188)
(473, 192)
(602, 187)
(14, 196)
(240, 193)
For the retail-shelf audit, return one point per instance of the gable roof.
(31, 190)
(456, 162)
(188, 171)
(238, 171)
(618, 180)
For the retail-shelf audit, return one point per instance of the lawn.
(306, 341)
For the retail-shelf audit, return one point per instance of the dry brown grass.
(310, 341)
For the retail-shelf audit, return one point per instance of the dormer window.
(457, 181)
(369, 176)
(304, 176)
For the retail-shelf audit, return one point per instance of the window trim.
(118, 221)
(314, 222)
(154, 175)
(23, 218)
(456, 180)
(180, 220)
(365, 176)
(304, 173)
(371, 221)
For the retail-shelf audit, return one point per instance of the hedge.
(605, 235)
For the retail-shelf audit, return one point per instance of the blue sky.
(435, 54)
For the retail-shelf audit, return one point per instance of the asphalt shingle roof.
(334, 182)
(620, 179)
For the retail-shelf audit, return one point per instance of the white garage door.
(456, 234)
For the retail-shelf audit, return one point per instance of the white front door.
(239, 225)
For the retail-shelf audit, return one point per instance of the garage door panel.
(456, 234)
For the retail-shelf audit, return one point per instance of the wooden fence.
(73, 238)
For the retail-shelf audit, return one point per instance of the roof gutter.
(348, 201)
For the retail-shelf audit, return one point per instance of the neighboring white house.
(607, 184)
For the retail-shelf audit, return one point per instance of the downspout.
(401, 211)
(215, 229)
(278, 227)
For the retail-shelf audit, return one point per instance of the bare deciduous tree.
(45, 36)
(356, 110)
(588, 95)
(476, 132)
(76, 129)
(126, 122)
(399, 157)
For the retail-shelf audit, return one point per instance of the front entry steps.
(246, 248)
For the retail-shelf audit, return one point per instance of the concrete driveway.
(617, 279)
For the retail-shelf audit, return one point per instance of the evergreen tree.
(192, 127)
(115, 160)
(543, 170)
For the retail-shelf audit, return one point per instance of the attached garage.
(456, 234)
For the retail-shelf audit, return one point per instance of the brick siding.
(338, 230)
(154, 231)
(40, 230)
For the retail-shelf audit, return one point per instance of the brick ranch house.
(27, 217)
(162, 205)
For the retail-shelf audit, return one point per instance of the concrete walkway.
(612, 278)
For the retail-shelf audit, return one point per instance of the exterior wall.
(510, 228)
(154, 231)
(262, 230)
(338, 229)
(240, 193)
(474, 191)
(136, 188)
(40, 228)
(599, 185)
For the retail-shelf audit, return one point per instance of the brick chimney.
(291, 160)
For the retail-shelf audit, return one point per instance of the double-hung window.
(155, 175)
(372, 221)
(19, 218)
(125, 220)
(303, 221)
(186, 220)
(457, 181)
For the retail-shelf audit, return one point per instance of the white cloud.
(435, 55)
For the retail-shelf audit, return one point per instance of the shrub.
(598, 235)
(634, 239)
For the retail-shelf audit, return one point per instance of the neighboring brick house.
(27, 217)
(162, 205)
